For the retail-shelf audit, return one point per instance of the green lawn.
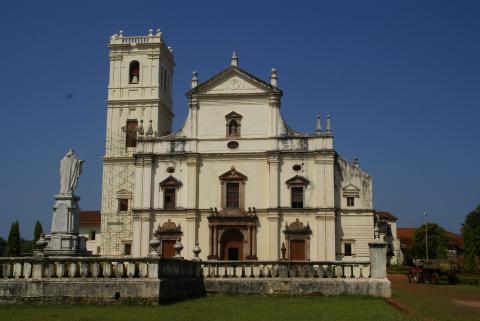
(236, 308)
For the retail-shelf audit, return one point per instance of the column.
(189, 241)
(254, 242)
(273, 236)
(145, 234)
(192, 172)
(273, 175)
(147, 182)
(136, 237)
(211, 239)
(215, 242)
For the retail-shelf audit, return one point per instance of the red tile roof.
(386, 216)
(90, 217)
(406, 237)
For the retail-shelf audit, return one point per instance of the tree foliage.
(3, 246)
(471, 237)
(13, 243)
(437, 242)
(36, 233)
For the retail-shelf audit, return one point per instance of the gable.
(351, 190)
(232, 175)
(233, 80)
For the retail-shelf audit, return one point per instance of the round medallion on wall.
(232, 144)
(297, 167)
(170, 169)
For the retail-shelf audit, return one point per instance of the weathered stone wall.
(100, 291)
(299, 286)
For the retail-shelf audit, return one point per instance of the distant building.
(456, 244)
(90, 227)
(388, 233)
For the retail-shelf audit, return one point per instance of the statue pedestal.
(64, 238)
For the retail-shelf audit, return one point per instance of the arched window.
(134, 72)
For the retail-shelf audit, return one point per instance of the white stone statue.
(70, 170)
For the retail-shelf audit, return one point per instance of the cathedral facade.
(235, 179)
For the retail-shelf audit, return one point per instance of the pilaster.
(325, 236)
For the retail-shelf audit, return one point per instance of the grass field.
(220, 308)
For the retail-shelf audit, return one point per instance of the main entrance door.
(297, 250)
(232, 245)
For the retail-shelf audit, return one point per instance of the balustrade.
(96, 267)
(285, 269)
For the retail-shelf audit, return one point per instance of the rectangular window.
(169, 198)
(348, 249)
(131, 134)
(122, 204)
(233, 195)
(297, 197)
(127, 249)
(92, 236)
(350, 201)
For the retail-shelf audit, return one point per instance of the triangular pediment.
(233, 80)
(233, 115)
(232, 175)
(170, 181)
(297, 180)
(351, 188)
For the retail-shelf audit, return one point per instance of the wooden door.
(232, 244)
(297, 250)
(167, 248)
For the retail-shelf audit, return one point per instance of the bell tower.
(139, 99)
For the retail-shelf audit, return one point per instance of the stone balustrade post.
(378, 259)
(60, 269)
(130, 269)
(83, 269)
(72, 269)
(17, 270)
(37, 269)
(153, 269)
(95, 269)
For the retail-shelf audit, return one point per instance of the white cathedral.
(235, 179)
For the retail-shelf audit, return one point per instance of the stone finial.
(194, 79)
(170, 49)
(273, 77)
(120, 33)
(154, 244)
(158, 32)
(41, 244)
(329, 125)
(150, 129)
(150, 32)
(140, 129)
(178, 248)
(318, 126)
(196, 251)
(234, 60)
(355, 161)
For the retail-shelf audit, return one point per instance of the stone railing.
(96, 267)
(286, 269)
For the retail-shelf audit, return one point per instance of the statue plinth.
(64, 238)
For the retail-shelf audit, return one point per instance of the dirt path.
(436, 302)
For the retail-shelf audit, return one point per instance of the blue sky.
(400, 79)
